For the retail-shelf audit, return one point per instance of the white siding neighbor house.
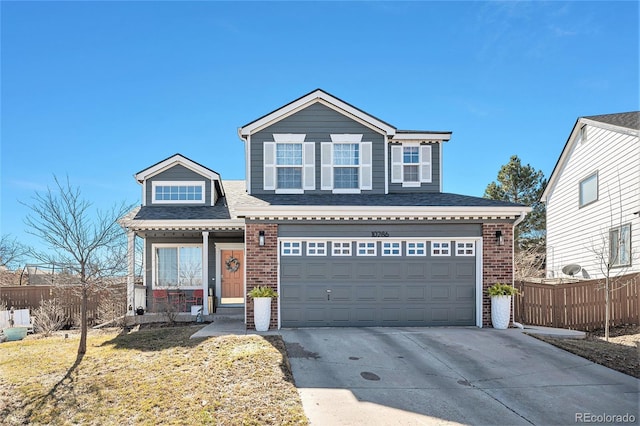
(593, 199)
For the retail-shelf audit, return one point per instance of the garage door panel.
(440, 270)
(391, 271)
(377, 291)
(366, 293)
(416, 293)
(341, 270)
(391, 293)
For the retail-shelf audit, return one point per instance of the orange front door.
(232, 265)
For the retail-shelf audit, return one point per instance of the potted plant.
(501, 304)
(262, 296)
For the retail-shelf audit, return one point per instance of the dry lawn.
(621, 352)
(148, 377)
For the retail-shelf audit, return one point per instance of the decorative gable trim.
(163, 165)
(309, 99)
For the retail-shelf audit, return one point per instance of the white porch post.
(131, 270)
(205, 273)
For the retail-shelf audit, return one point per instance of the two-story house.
(340, 212)
(593, 199)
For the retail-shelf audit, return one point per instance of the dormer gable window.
(346, 164)
(411, 164)
(170, 192)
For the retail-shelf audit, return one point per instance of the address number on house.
(378, 234)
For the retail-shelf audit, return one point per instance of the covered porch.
(188, 271)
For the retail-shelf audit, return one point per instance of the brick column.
(261, 263)
(497, 262)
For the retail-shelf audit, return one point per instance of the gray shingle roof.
(237, 197)
(630, 120)
(217, 212)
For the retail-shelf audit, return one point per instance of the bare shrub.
(111, 310)
(49, 317)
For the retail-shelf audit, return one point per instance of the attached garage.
(402, 276)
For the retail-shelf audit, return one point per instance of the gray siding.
(317, 122)
(394, 231)
(177, 173)
(436, 174)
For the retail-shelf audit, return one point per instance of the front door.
(232, 276)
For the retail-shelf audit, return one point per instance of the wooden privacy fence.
(68, 297)
(579, 305)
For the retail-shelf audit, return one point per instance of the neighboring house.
(593, 199)
(341, 213)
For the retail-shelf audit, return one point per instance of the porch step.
(230, 313)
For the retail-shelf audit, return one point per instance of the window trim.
(382, 248)
(464, 249)
(581, 202)
(295, 251)
(320, 248)
(423, 248)
(364, 166)
(366, 253)
(155, 261)
(425, 163)
(444, 251)
(620, 231)
(173, 183)
(349, 248)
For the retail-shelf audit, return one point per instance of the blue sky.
(101, 90)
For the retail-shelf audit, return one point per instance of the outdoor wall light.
(261, 238)
(499, 238)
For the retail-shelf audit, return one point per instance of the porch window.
(178, 266)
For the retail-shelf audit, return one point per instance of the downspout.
(523, 214)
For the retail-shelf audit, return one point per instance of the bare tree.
(613, 255)
(12, 252)
(90, 242)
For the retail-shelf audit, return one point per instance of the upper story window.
(620, 246)
(289, 164)
(167, 192)
(346, 164)
(411, 164)
(589, 190)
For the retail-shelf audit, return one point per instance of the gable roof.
(623, 122)
(169, 162)
(628, 120)
(340, 106)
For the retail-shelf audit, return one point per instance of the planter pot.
(15, 333)
(500, 311)
(262, 313)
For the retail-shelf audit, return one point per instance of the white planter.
(500, 311)
(262, 313)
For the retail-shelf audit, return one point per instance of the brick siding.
(497, 262)
(261, 266)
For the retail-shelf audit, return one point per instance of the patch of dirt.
(620, 353)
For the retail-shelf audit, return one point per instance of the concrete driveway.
(424, 376)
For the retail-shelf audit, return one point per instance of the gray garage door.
(380, 288)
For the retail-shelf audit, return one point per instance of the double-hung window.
(289, 164)
(178, 266)
(620, 246)
(411, 164)
(346, 164)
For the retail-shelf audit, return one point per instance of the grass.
(148, 377)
